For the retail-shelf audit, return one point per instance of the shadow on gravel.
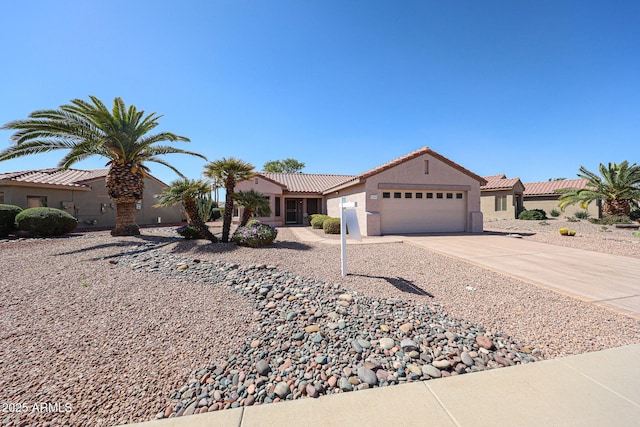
(400, 284)
(287, 244)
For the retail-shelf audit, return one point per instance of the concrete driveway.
(608, 280)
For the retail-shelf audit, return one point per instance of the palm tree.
(186, 191)
(86, 129)
(253, 202)
(230, 171)
(618, 186)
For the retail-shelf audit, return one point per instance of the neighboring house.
(420, 192)
(544, 195)
(83, 194)
(502, 197)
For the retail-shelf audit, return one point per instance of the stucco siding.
(488, 205)
(353, 194)
(548, 203)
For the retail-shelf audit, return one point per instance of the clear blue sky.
(532, 89)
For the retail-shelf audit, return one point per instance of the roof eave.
(343, 186)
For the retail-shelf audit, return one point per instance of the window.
(429, 195)
(501, 203)
(408, 195)
(418, 195)
(397, 195)
(438, 195)
(449, 195)
(458, 195)
(36, 201)
(278, 212)
(426, 167)
(1, 198)
(386, 195)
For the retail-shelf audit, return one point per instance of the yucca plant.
(86, 129)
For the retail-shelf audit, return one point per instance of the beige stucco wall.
(93, 208)
(356, 194)
(269, 189)
(488, 205)
(548, 203)
(411, 175)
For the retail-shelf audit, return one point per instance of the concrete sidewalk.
(610, 281)
(593, 389)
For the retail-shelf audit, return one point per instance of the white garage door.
(423, 212)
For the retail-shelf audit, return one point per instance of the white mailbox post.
(349, 218)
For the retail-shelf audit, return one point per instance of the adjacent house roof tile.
(499, 182)
(550, 187)
(305, 182)
(56, 176)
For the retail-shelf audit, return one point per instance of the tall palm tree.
(230, 171)
(186, 191)
(618, 186)
(86, 129)
(253, 202)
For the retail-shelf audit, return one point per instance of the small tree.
(253, 202)
(618, 186)
(230, 171)
(186, 191)
(287, 165)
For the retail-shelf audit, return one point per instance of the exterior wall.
(93, 208)
(488, 205)
(547, 203)
(411, 175)
(269, 189)
(357, 194)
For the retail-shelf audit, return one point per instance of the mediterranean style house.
(421, 192)
(505, 198)
(83, 194)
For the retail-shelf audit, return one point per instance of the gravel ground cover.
(145, 339)
(591, 237)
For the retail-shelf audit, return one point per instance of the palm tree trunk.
(228, 209)
(126, 220)
(191, 208)
(246, 214)
(619, 207)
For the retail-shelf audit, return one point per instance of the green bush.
(635, 215)
(189, 232)
(317, 221)
(216, 213)
(572, 219)
(554, 213)
(8, 219)
(331, 226)
(533, 215)
(582, 214)
(611, 220)
(252, 223)
(564, 231)
(255, 236)
(636, 233)
(46, 222)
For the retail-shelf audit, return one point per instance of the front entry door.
(292, 208)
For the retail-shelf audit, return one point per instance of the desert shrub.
(318, 221)
(572, 219)
(216, 213)
(635, 215)
(533, 214)
(255, 236)
(331, 226)
(8, 219)
(189, 232)
(564, 231)
(554, 213)
(582, 214)
(46, 222)
(611, 220)
(636, 233)
(543, 223)
(571, 233)
(252, 223)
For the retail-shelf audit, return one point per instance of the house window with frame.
(449, 195)
(438, 195)
(458, 195)
(426, 167)
(418, 195)
(408, 195)
(429, 195)
(501, 203)
(397, 195)
(386, 195)
(278, 211)
(36, 201)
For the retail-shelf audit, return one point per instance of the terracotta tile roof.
(305, 182)
(499, 182)
(550, 187)
(56, 176)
